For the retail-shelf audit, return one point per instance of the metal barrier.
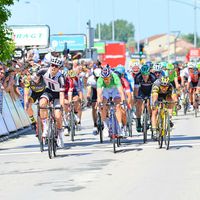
(12, 115)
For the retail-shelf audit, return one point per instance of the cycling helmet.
(164, 73)
(157, 67)
(97, 72)
(176, 64)
(145, 70)
(120, 69)
(170, 66)
(149, 63)
(164, 81)
(163, 65)
(71, 73)
(191, 65)
(105, 71)
(56, 61)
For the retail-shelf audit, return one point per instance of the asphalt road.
(86, 169)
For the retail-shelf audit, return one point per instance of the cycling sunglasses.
(56, 66)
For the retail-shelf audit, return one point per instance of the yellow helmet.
(71, 73)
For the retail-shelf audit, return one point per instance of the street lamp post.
(37, 7)
(195, 16)
(113, 21)
(175, 39)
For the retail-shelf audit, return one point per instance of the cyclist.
(73, 93)
(162, 89)
(185, 74)
(54, 91)
(143, 84)
(135, 68)
(92, 95)
(109, 86)
(157, 69)
(173, 78)
(193, 83)
(34, 87)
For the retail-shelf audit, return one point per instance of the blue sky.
(148, 16)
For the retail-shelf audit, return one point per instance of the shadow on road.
(177, 147)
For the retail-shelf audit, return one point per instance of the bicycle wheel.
(129, 123)
(100, 127)
(39, 132)
(54, 139)
(167, 130)
(159, 130)
(114, 135)
(50, 139)
(72, 125)
(144, 123)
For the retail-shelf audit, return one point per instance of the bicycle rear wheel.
(144, 123)
(167, 131)
(129, 123)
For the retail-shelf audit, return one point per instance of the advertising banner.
(73, 42)
(31, 35)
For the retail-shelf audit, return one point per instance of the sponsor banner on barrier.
(13, 111)
(21, 113)
(3, 129)
(7, 117)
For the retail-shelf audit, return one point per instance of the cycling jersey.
(193, 76)
(92, 82)
(161, 94)
(115, 82)
(72, 85)
(144, 87)
(35, 87)
(125, 85)
(54, 84)
(172, 75)
(130, 79)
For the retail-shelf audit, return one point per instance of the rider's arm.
(99, 90)
(62, 90)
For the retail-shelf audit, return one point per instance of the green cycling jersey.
(114, 82)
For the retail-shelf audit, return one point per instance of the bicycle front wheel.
(72, 126)
(167, 131)
(100, 127)
(145, 125)
(159, 131)
(39, 132)
(50, 139)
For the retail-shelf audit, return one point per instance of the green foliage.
(123, 30)
(190, 38)
(6, 43)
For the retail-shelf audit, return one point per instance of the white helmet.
(191, 65)
(56, 61)
(157, 67)
(97, 72)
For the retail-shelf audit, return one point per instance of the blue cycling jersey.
(130, 79)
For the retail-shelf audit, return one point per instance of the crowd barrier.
(12, 115)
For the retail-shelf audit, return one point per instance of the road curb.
(15, 134)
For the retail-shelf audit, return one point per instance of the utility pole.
(195, 23)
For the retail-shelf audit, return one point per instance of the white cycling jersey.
(56, 83)
(184, 73)
(92, 81)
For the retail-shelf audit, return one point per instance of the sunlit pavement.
(86, 169)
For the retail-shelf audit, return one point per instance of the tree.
(190, 38)
(6, 43)
(123, 30)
